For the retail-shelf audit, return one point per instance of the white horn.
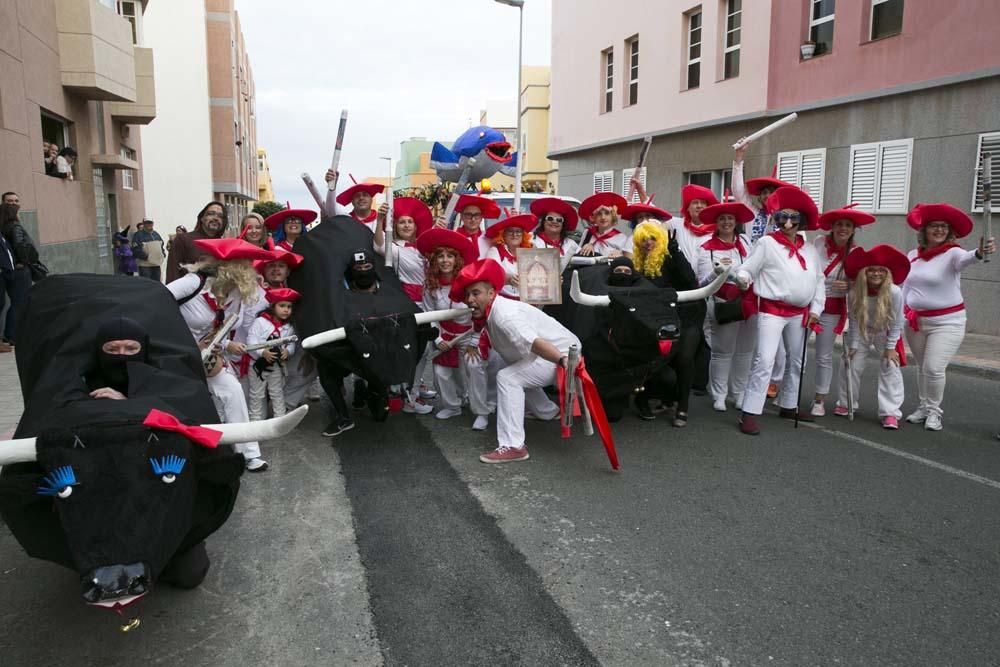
(267, 429)
(439, 315)
(706, 291)
(331, 336)
(583, 298)
(17, 451)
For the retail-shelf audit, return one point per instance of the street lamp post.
(520, 52)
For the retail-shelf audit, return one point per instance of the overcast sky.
(402, 68)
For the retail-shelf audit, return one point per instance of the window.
(128, 175)
(55, 132)
(632, 48)
(731, 51)
(988, 143)
(879, 178)
(604, 181)
(127, 9)
(821, 25)
(887, 18)
(694, 50)
(627, 176)
(806, 169)
(608, 74)
(719, 181)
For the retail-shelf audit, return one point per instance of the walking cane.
(802, 372)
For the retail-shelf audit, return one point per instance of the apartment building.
(265, 187)
(74, 73)
(896, 100)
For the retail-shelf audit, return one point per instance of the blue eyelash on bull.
(57, 480)
(168, 465)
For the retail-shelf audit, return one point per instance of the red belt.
(912, 316)
(782, 309)
(837, 305)
(414, 290)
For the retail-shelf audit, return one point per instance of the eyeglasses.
(877, 269)
(515, 231)
(471, 216)
(782, 218)
(937, 226)
(553, 218)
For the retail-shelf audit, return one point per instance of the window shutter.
(861, 180)
(894, 176)
(813, 174)
(604, 181)
(988, 143)
(788, 167)
(627, 176)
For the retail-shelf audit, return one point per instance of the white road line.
(906, 455)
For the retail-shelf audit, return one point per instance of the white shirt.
(778, 277)
(689, 242)
(936, 284)
(618, 240)
(513, 327)
(262, 329)
(568, 248)
(409, 264)
(199, 316)
(836, 273)
(705, 267)
(509, 269)
(895, 326)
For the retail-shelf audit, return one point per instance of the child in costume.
(267, 375)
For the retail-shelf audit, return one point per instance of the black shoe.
(642, 407)
(378, 405)
(338, 426)
(360, 391)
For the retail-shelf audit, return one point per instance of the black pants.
(15, 284)
(151, 272)
(331, 377)
(683, 363)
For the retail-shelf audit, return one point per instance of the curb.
(966, 365)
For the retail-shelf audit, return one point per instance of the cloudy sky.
(402, 68)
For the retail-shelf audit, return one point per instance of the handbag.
(38, 270)
(727, 312)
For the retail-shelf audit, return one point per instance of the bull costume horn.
(340, 333)
(722, 272)
(23, 449)
(583, 298)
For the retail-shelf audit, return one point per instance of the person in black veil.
(120, 341)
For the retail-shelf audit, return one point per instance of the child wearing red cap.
(267, 377)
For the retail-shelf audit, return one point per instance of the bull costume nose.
(115, 581)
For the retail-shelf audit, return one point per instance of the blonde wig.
(649, 264)
(224, 277)
(884, 315)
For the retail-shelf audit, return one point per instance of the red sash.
(837, 305)
(782, 309)
(414, 290)
(913, 316)
(836, 253)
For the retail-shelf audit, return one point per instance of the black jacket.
(21, 245)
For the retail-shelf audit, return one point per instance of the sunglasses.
(782, 218)
(553, 218)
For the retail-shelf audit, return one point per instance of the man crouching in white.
(531, 345)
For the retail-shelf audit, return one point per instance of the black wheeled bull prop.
(628, 333)
(124, 492)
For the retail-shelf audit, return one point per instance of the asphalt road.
(837, 544)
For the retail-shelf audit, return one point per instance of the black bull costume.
(85, 484)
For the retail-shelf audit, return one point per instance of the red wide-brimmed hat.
(858, 217)
(276, 220)
(881, 255)
(231, 249)
(690, 192)
(482, 270)
(282, 294)
(597, 200)
(525, 221)
(710, 214)
(279, 255)
(438, 237)
(345, 197)
(412, 207)
(755, 185)
(633, 210)
(545, 205)
(921, 214)
(796, 199)
(487, 207)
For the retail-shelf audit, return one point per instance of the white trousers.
(455, 383)
(732, 352)
(517, 385)
(890, 378)
(772, 331)
(231, 405)
(778, 370)
(273, 387)
(933, 347)
(825, 368)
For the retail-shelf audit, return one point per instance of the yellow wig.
(649, 264)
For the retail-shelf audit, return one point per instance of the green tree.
(267, 208)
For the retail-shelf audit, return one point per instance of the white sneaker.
(257, 465)
(720, 405)
(918, 416)
(427, 392)
(448, 413)
(933, 423)
(482, 421)
(417, 408)
(818, 410)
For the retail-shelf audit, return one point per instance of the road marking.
(906, 455)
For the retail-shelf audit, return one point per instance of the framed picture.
(538, 276)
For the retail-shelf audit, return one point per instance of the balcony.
(108, 161)
(143, 110)
(95, 51)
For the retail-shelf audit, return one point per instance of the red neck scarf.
(698, 230)
(285, 245)
(275, 322)
(371, 216)
(553, 244)
(835, 253)
(599, 238)
(443, 282)
(928, 255)
(480, 323)
(472, 236)
(872, 292)
(210, 300)
(793, 248)
(405, 244)
(506, 254)
(715, 243)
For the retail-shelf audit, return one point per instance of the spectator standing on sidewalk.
(126, 260)
(212, 222)
(17, 256)
(147, 246)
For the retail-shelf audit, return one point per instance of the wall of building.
(537, 167)
(177, 162)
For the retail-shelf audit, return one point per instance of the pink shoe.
(890, 423)
(841, 411)
(505, 455)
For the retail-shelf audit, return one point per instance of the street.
(832, 544)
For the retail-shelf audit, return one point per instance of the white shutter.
(604, 181)
(862, 175)
(627, 176)
(788, 166)
(806, 169)
(894, 176)
(988, 143)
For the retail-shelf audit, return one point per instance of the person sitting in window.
(64, 163)
(51, 152)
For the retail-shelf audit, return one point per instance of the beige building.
(265, 189)
(73, 73)
(537, 168)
